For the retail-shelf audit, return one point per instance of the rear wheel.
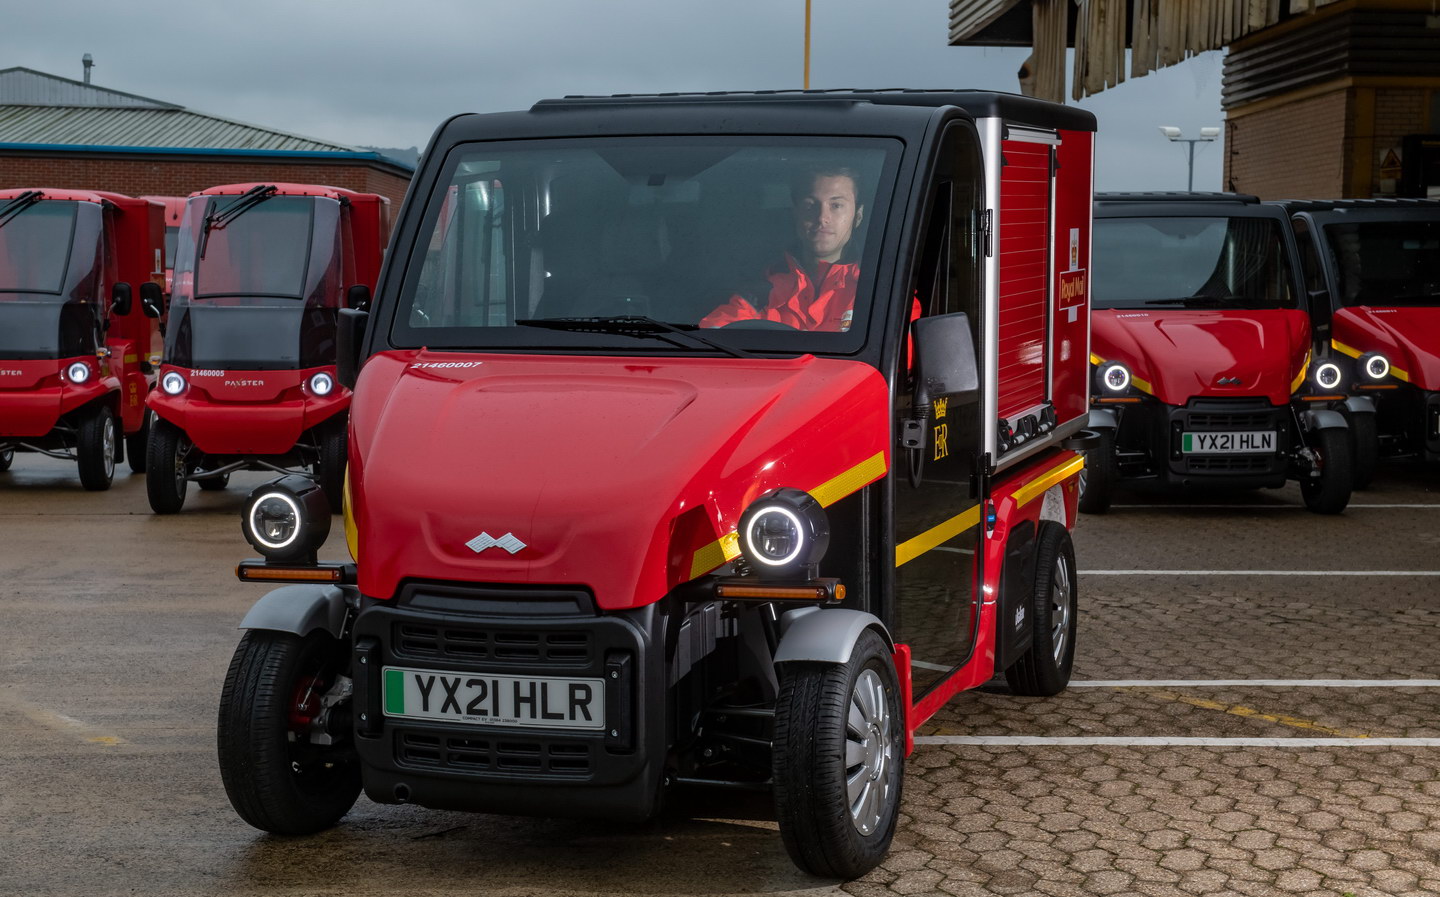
(165, 482)
(137, 445)
(277, 778)
(95, 450)
(1329, 492)
(1364, 446)
(329, 470)
(1044, 668)
(838, 760)
(1097, 477)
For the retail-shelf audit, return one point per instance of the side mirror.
(358, 297)
(349, 340)
(152, 299)
(1320, 310)
(944, 360)
(120, 299)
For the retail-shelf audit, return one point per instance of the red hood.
(1408, 337)
(618, 474)
(1177, 355)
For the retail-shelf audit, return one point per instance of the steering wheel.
(757, 324)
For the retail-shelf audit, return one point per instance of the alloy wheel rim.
(869, 753)
(1060, 609)
(107, 448)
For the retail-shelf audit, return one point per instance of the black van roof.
(1178, 196)
(1340, 205)
(1013, 108)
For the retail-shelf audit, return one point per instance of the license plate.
(486, 699)
(1254, 442)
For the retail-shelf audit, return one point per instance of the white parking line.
(1431, 505)
(1167, 741)
(1260, 572)
(1254, 683)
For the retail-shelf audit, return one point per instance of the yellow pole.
(807, 44)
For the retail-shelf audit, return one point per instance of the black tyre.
(838, 760)
(95, 450)
(7, 457)
(1097, 477)
(1364, 447)
(1329, 493)
(137, 445)
(277, 779)
(1044, 668)
(165, 481)
(329, 471)
(215, 483)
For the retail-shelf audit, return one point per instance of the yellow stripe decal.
(872, 468)
(727, 547)
(1304, 369)
(909, 550)
(1036, 487)
(1397, 373)
(352, 534)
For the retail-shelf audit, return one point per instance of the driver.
(813, 286)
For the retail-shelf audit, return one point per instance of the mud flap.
(1013, 630)
(300, 610)
(1318, 419)
(825, 635)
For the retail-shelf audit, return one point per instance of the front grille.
(1230, 420)
(1229, 463)
(471, 644)
(505, 754)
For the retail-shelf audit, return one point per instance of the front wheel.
(329, 470)
(137, 445)
(1329, 492)
(1044, 669)
(838, 760)
(277, 778)
(1097, 477)
(95, 450)
(1364, 446)
(165, 483)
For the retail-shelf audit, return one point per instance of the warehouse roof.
(48, 111)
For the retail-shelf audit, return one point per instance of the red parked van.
(248, 381)
(686, 458)
(75, 346)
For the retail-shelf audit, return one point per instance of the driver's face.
(826, 216)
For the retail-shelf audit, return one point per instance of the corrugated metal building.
(55, 132)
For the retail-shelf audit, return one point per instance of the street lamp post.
(1207, 135)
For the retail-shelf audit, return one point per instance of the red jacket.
(795, 298)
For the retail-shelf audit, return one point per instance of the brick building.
(55, 132)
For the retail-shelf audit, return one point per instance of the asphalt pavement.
(1256, 710)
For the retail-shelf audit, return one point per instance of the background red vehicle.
(1207, 371)
(76, 268)
(174, 212)
(1372, 268)
(647, 556)
(248, 382)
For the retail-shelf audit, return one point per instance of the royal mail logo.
(485, 540)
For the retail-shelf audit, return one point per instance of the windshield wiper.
(246, 201)
(637, 326)
(14, 207)
(1198, 301)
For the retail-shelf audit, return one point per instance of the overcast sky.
(384, 73)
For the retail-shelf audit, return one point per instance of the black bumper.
(520, 770)
(1156, 430)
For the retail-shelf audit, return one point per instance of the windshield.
(35, 248)
(1226, 263)
(617, 243)
(1387, 262)
(266, 293)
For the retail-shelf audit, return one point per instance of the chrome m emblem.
(485, 540)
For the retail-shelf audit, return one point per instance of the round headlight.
(287, 520)
(78, 372)
(173, 383)
(1375, 366)
(1115, 377)
(1328, 376)
(321, 384)
(784, 534)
